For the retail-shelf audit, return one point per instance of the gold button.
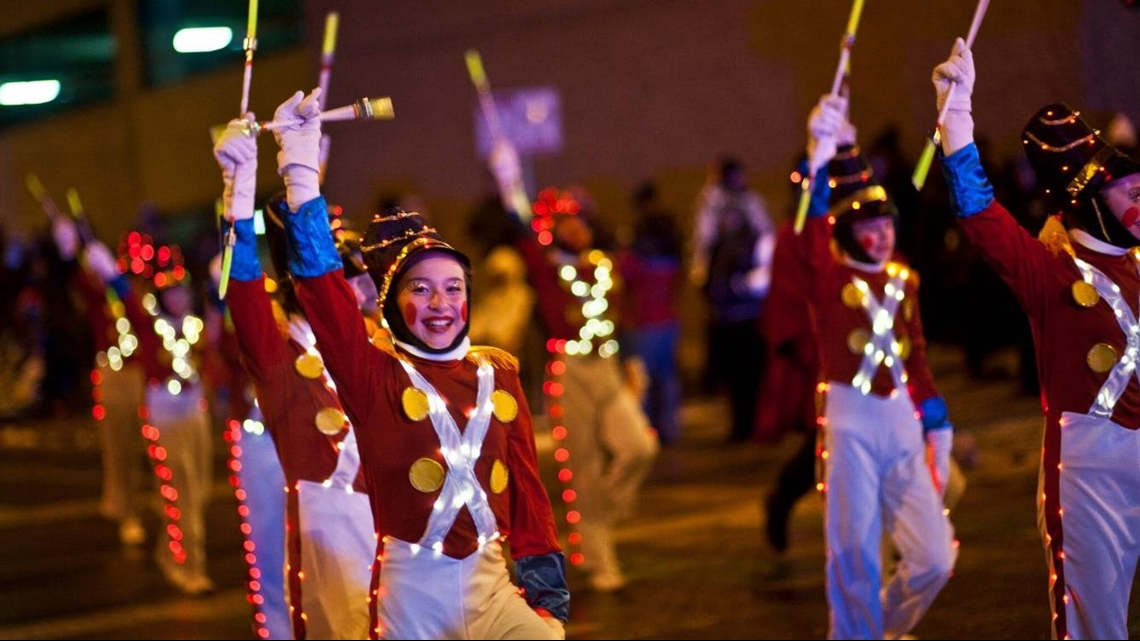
(506, 408)
(309, 366)
(500, 475)
(858, 340)
(908, 310)
(415, 404)
(904, 347)
(426, 475)
(1085, 294)
(330, 421)
(1101, 358)
(270, 285)
(852, 296)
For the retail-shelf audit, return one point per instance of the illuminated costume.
(605, 445)
(1080, 288)
(873, 364)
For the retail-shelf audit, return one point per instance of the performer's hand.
(101, 261)
(824, 123)
(505, 165)
(846, 134)
(300, 142)
(941, 442)
(956, 72)
(66, 236)
(236, 153)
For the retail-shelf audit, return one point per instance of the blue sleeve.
(312, 251)
(970, 190)
(935, 414)
(543, 580)
(121, 286)
(246, 266)
(820, 190)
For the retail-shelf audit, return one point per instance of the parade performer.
(880, 400)
(117, 391)
(445, 435)
(605, 444)
(162, 329)
(1079, 284)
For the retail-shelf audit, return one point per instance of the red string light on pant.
(157, 454)
(553, 389)
(233, 436)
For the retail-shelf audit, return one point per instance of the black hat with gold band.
(394, 241)
(855, 196)
(1073, 163)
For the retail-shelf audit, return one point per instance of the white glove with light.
(101, 261)
(299, 161)
(824, 125)
(236, 153)
(66, 236)
(957, 72)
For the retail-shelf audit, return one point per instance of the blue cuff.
(970, 190)
(543, 580)
(121, 286)
(246, 266)
(312, 251)
(935, 414)
(820, 190)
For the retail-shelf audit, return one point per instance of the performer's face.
(1123, 197)
(433, 299)
(876, 236)
(572, 233)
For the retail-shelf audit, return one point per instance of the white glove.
(236, 152)
(846, 134)
(824, 123)
(300, 142)
(505, 165)
(941, 442)
(101, 261)
(66, 236)
(557, 629)
(956, 72)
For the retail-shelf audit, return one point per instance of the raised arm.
(329, 303)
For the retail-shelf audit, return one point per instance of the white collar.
(458, 353)
(873, 268)
(1095, 244)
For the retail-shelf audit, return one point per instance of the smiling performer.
(445, 435)
(1080, 287)
(880, 401)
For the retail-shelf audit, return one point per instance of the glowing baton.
(841, 72)
(513, 195)
(328, 53)
(918, 179)
(250, 46)
(363, 109)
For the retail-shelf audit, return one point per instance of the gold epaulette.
(498, 358)
(894, 267)
(1055, 238)
(380, 338)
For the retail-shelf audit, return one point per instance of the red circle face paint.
(1131, 216)
(463, 312)
(867, 242)
(409, 314)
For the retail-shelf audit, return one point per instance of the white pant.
(876, 479)
(121, 393)
(263, 482)
(424, 595)
(1099, 530)
(338, 544)
(611, 452)
(184, 436)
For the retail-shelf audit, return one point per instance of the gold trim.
(1061, 121)
(408, 233)
(862, 176)
(400, 216)
(1047, 147)
(422, 241)
(853, 152)
(865, 195)
(1090, 170)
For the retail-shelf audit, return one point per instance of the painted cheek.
(1131, 215)
(867, 242)
(463, 312)
(409, 315)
